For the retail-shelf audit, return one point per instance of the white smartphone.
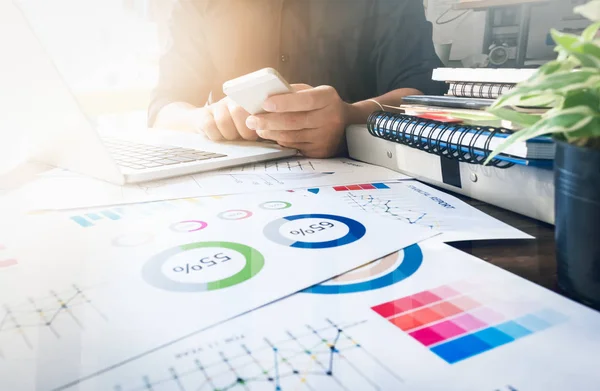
(251, 90)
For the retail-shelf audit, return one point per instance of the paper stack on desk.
(326, 284)
(61, 189)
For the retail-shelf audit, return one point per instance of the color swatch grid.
(456, 323)
(117, 213)
(367, 186)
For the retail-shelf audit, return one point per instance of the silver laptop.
(36, 101)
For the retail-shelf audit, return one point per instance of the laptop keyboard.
(141, 156)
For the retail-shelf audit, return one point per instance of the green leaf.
(590, 10)
(591, 130)
(563, 55)
(570, 85)
(522, 119)
(573, 43)
(591, 100)
(590, 32)
(555, 121)
(550, 68)
(535, 99)
(587, 60)
(586, 52)
(564, 39)
(587, 97)
(549, 89)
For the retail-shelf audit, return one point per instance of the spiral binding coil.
(479, 90)
(417, 133)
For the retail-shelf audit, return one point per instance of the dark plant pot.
(577, 219)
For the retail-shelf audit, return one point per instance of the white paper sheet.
(509, 334)
(418, 204)
(85, 290)
(59, 189)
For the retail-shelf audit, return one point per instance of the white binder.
(522, 189)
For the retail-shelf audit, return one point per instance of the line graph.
(394, 206)
(312, 357)
(286, 166)
(43, 313)
(92, 216)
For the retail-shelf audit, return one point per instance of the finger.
(314, 151)
(239, 116)
(207, 125)
(298, 146)
(295, 87)
(289, 136)
(288, 121)
(304, 100)
(300, 87)
(224, 121)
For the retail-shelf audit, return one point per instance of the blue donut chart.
(355, 231)
(413, 258)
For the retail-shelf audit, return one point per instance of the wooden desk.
(534, 260)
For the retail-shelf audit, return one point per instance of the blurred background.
(108, 50)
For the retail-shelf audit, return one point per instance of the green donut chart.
(275, 205)
(153, 275)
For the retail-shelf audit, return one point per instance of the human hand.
(223, 120)
(311, 120)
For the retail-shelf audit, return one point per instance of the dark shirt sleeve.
(185, 66)
(403, 54)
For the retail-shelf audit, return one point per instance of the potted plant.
(569, 88)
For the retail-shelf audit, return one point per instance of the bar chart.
(91, 219)
(366, 186)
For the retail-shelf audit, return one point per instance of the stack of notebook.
(444, 140)
(457, 125)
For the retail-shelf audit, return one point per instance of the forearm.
(186, 72)
(357, 113)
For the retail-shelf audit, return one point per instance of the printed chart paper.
(82, 292)
(447, 321)
(418, 204)
(59, 189)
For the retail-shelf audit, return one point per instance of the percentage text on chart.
(313, 228)
(203, 264)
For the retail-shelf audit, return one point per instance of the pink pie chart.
(189, 226)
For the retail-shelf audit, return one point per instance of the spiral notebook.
(524, 189)
(448, 101)
(478, 90)
(465, 143)
(481, 83)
